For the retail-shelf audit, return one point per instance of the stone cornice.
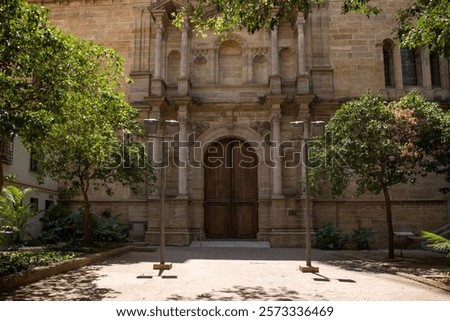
(275, 99)
(304, 99)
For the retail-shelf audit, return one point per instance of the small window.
(7, 153)
(435, 70)
(33, 161)
(34, 202)
(48, 203)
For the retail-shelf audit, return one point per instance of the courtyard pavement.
(238, 273)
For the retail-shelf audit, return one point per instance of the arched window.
(435, 70)
(388, 61)
(173, 68)
(411, 67)
(230, 63)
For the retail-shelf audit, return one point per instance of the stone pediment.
(169, 6)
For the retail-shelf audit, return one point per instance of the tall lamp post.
(153, 125)
(305, 164)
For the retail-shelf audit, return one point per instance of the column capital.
(300, 21)
(275, 100)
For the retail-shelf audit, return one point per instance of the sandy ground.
(201, 273)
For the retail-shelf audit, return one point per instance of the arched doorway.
(231, 190)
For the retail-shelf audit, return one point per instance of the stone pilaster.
(275, 102)
(183, 80)
(183, 118)
(158, 86)
(302, 81)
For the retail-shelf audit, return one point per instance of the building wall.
(231, 87)
(43, 195)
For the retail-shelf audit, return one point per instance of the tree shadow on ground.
(246, 293)
(375, 262)
(76, 285)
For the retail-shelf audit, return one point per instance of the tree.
(425, 22)
(89, 144)
(38, 67)
(221, 15)
(379, 145)
(436, 143)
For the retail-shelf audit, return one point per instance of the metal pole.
(162, 251)
(162, 246)
(307, 215)
(308, 267)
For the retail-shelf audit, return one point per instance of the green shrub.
(329, 237)
(108, 229)
(11, 262)
(62, 225)
(362, 237)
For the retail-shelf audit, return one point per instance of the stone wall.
(248, 86)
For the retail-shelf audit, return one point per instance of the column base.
(275, 84)
(309, 269)
(302, 84)
(162, 266)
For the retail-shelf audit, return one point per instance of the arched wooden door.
(231, 190)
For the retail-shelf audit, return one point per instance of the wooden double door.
(231, 190)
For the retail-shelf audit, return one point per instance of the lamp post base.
(162, 266)
(309, 269)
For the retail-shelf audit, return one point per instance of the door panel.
(246, 220)
(231, 192)
(218, 222)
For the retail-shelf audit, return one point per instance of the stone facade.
(250, 87)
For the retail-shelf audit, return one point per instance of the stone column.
(275, 78)
(277, 169)
(183, 80)
(183, 147)
(302, 81)
(398, 74)
(274, 51)
(426, 71)
(158, 49)
(183, 156)
(445, 79)
(158, 86)
(301, 45)
(184, 50)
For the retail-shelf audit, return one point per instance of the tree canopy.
(377, 145)
(39, 67)
(62, 96)
(424, 22)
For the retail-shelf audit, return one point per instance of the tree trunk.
(86, 219)
(2, 179)
(387, 200)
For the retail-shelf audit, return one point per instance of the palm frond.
(437, 242)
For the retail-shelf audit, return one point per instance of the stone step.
(231, 244)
